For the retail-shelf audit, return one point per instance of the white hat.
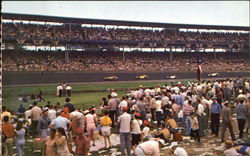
(45, 109)
(173, 144)
(161, 141)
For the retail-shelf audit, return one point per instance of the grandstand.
(76, 44)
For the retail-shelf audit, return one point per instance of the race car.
(141, 77)
(213, 74)
(110, 78)
(171, 77)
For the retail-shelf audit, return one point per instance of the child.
(195, 127)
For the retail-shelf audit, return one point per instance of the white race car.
(171, 77)
(213, 74)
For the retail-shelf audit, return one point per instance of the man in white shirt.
(201, 118)
(60, 122)
(177, 151)
(123, 103)
(52, 113)
(68, 90)
(205, 104)
(59, 90)
(76, 113)
(125, 142)
(158, 112)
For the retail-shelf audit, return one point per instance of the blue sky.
(188, 12)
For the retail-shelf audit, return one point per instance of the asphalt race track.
(25, 78)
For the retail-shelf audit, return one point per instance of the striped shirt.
(187, 109)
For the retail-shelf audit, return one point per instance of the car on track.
(110, 78)
(141, 77)
(213, 74)
(171, 77)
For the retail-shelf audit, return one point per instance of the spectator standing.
(60, 122)
(61, 142)
(152, 107)
(122, 104)
(59, 90)
(227, 121)
(50, 144)
(9, 131)
(195, 127)
(158, 112)
(201, 118)
(43, 124)
(20, 138)
(112, 109)
(36, 113)
(52, 113)
(124, 120)
(90, 124)
(141, 105)
(106, 122)
(136, 130)
(69, 105)
(241, 115)
(68, 90)
(215, 117)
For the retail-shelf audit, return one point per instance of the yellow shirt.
(105, 121)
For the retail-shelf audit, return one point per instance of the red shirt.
(82, 144)
(8, 130)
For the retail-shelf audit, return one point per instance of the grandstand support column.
(171, 54)
(214, 54)
(66, 54)
(123, 54)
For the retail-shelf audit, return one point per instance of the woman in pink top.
(90, 123)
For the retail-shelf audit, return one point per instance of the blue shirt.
(241, 111)
(61, 122)
(215, 108)
(177, 100)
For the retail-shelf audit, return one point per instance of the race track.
(26, 78)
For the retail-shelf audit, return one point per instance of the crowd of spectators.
(114, 61)
(77, 32)
(146, 121)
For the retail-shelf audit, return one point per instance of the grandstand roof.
(29, 17)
